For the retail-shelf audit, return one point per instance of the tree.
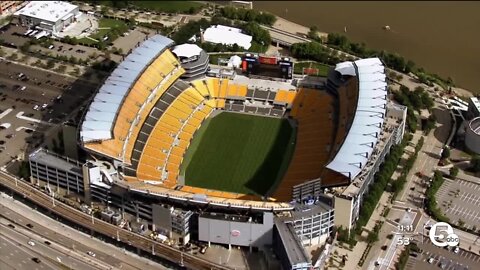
(50, 64)
(445, 152)
(313, 33)
(453, 172)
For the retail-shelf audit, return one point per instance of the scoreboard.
(277, 67)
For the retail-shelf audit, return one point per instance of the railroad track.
(148, 245)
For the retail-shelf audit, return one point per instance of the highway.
(132, 239)
(53, 256)
(20, 215)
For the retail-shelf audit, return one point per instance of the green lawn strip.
(322, 68)
(168, 6)
(192, 148)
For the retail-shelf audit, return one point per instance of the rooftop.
(51, 11)
(55, 161)
(475, 125)
(355, 186)
(295, 251)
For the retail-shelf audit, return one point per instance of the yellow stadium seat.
(223, 88)
(281, 96)
(242, 90)
(201, 87)
(232, 90)
(189, 128)
(221, 103)
(216, 87)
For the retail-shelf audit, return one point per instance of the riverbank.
(300, 30)
(414, 37)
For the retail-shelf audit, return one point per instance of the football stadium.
(248, 140)
(240, 156)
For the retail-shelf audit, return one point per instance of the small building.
(54, 171)
(51, 16)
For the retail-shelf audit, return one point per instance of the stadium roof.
(227, 35)
(368, 120)
(50, 11)
(187, 50)
(101, 115)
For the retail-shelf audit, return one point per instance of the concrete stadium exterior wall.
(236, 233)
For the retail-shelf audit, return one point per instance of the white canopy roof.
(227, 35)
(368, 120)
(346, 68)
(187, 50)
(100, 117)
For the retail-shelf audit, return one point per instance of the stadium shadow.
(275, 163)
(63, 114)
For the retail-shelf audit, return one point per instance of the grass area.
(322, 68)
(110, 25)
(213, 58)
(239, 153)
(169, 6)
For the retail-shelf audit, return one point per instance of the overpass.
(95, 225)
(284, 38)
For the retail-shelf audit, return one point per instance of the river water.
(442, 37)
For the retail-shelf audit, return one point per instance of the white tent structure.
(227, 35)
(235, 61)
(369, 116)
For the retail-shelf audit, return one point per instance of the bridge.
(284, 38)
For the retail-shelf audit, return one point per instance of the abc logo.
(441, 234)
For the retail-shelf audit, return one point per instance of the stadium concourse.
(144, 118)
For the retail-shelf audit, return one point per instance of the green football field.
(239, 153)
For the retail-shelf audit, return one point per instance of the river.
(442, 37)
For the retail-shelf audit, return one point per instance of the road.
(107, 229)
(20, 215)
(52, 256)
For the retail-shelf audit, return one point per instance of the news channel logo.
(441, 234)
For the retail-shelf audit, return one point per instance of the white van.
(23, 88)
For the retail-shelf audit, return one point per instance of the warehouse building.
(51, 16)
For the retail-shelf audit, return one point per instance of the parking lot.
(442, 258)
(459, 199)
(31, 101)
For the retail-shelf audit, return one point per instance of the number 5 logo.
(441, 234)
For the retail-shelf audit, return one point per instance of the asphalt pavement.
(51, 256)
(73, 240)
